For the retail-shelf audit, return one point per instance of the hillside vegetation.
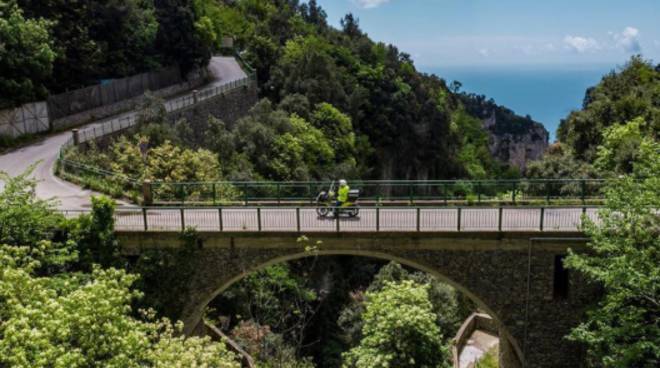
(335, 103)
(606, 136)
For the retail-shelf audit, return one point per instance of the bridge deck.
(370, 219)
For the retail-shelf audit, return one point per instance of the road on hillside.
(44, 153)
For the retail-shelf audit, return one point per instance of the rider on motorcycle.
(342, 195)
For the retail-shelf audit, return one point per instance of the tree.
(25, 219)
(177, 39)
(54, 316)
(623, 256)
(399, 330)
(84, 321)
(621, 96)
(26, 56)
(622, 146)
(97, 39)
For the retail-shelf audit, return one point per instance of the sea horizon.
(546, 92)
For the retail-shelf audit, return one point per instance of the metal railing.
(370, 219)
(446, 192)
(118, 124)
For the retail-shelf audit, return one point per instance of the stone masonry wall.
(228, 107)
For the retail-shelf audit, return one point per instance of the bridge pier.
(511, 276)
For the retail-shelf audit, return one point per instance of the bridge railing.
(369, 219)
(447, 192)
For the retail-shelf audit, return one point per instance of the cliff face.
(518, 144)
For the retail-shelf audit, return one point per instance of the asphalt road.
(43, 154)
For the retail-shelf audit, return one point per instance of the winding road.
(43, 153)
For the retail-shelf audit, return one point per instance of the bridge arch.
(506, 339)
(511, 275)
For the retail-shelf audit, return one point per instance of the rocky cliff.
(513, 139)
(516, 145)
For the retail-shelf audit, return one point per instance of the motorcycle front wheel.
(322, 211)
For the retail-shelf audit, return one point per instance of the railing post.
(479, 192)
(220, 223)
(377, 218)
(337, 218)
(542, 218)
(195, 96)
(259, 219)
(144, 219)
(183, 220)
(245, 194)
(500, 212)
(298, 219)
(215, 194)
(147, 193)
(278, 194)
(583, 194)
(417, 222)
(410, 193)
(446, 193)
(547, 192)
(513, 192)
(76, 136)
(458, 219)
(311, 195)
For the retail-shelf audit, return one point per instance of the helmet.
(342, 182)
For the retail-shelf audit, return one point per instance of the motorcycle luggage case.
(353, 194)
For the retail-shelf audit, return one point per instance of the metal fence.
(112, 126)
(83, 99)
(371, 219)
(447, 192)
(30, 118)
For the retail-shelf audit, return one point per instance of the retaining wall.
(228, 106)
(194, 80)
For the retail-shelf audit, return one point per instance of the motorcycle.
(326, 203)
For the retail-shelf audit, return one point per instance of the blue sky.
(510, 32)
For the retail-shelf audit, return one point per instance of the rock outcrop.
(518, 144)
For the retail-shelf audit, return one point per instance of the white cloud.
(581, 44)
(628, 40)
(368, 4)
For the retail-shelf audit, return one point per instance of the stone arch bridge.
(516, 276)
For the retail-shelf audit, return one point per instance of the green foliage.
(51, 316)
(95, 236)
(97, 39)
(622, 330)
(489, 360)
(625, 145)
(474, 154)
(25, 219)
(177, 38)
(269, 349)
(399, 330)
(632, 92)
(26, 56)
(449, 308)
(84, 321)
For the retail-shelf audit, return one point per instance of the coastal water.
(547, 94)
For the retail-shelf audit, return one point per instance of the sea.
(546, 93)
